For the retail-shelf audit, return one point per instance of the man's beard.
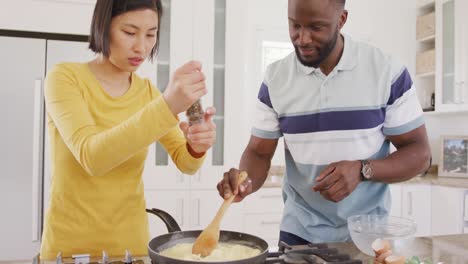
(323, 52)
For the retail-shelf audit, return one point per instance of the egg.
(395, 260)
(380, 246)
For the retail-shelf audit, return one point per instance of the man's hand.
(228, 186)
(201, 137)
(338, 180)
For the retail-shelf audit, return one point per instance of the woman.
(102, 117)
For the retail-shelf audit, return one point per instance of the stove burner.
(310, 253)
(86, 259)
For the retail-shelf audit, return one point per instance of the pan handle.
(170, 222)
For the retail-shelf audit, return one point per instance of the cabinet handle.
(38, 155)
(463, 92)
(197, 211)
(270, 222)
(180, 176)
(410, 203)
(465, 207)
(180, 211)
(198, 177)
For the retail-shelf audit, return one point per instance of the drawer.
(266, 200)
(425, 26)
(425, 62)
(266, 226)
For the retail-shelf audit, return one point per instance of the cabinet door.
(265, 200)
(69, 16)
(416, 205)
(451, 58)
(175, 49)
(21, 145)
(209, 34)
(265, 226)
(395, 192)
(447, 210)
(205, 204)
(263, 214)
(174, 203)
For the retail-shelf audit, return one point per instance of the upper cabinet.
(192, 30)
(451, 56)
(52, 16)
(442, 55)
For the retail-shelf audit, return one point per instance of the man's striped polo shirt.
(343, 116)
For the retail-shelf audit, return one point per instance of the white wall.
(389, 25)
(444, 124)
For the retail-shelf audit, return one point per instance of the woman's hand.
(201, 137)
(187, 85)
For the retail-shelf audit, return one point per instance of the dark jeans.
(292, 239)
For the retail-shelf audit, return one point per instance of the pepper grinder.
(195, 113)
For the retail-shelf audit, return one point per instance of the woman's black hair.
(105, 10)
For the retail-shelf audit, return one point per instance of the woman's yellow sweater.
(98, 148)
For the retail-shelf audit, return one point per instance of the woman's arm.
(99, 150)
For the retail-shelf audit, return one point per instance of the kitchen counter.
(434, 179)
(447, 249)
(275, 179)
(451, 249)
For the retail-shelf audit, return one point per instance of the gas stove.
(286, 254)
(310, 253)
(104, 259)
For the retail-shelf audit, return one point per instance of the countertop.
(275, 179)
(451, 249)
(446, 249)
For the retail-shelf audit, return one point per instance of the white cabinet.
(173, 202)
(416, 205)
(447, 210)
(395, 192)
(189, 32)
(447, 50)
(54, 16)
(451, 89)
(192, 210)
(263, 211)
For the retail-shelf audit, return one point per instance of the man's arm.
(339, 179)
(412, 157)
(256, 160)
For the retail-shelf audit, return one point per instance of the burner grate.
(310, 253)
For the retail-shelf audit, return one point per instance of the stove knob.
(105, 257)
(128, 257)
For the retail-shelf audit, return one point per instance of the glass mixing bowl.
(365, 229)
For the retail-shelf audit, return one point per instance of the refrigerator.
(24, 148)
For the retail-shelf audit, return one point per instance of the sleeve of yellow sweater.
(176, 145)
(100, 150)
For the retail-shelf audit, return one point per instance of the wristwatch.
(366, 170)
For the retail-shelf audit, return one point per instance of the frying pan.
(176, 236)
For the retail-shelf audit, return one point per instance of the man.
(338, 104)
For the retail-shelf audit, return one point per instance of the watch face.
(367, 171)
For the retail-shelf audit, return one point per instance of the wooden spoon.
(208, 239)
